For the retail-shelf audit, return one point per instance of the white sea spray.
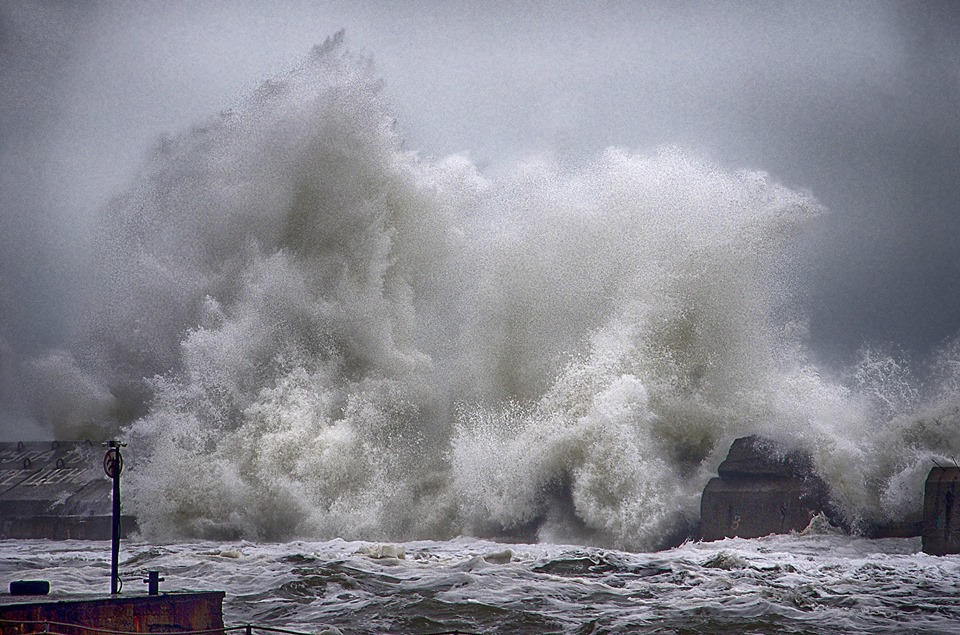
(304, 329)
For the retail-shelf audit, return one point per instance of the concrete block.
(941, 511)
(757, 456)
(754, 506)
(763, 489)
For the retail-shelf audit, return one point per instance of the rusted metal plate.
(165, 613)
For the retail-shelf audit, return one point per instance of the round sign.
(113, 463)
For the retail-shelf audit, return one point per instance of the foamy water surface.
(814, 583)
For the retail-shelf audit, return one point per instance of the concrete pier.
(941, 511)
(56, 490)
(762, 489)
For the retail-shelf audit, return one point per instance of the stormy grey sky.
(856, 102)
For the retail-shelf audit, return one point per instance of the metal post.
(115, 553)
(113, 465)
(153, 582)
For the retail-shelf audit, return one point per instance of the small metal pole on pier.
(153, 581)
(112, 466)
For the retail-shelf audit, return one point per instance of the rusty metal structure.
(103, 615)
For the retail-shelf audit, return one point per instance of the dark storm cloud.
(855, 102)
(33, 48)
(888, 273)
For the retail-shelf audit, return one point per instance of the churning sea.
(818, 582)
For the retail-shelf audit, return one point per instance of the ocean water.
(817, 583)
(306, 331)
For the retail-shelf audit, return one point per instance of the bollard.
(153, 581)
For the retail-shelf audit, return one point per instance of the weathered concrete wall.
(762, 489)
(56, 490)
(66, 527)
(941, 511)
(166, 613)
(754, 506)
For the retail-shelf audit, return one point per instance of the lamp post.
(113, 466)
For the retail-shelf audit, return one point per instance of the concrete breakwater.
(59, 490)
(941, 511)
(762, 489)
(56, 490)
